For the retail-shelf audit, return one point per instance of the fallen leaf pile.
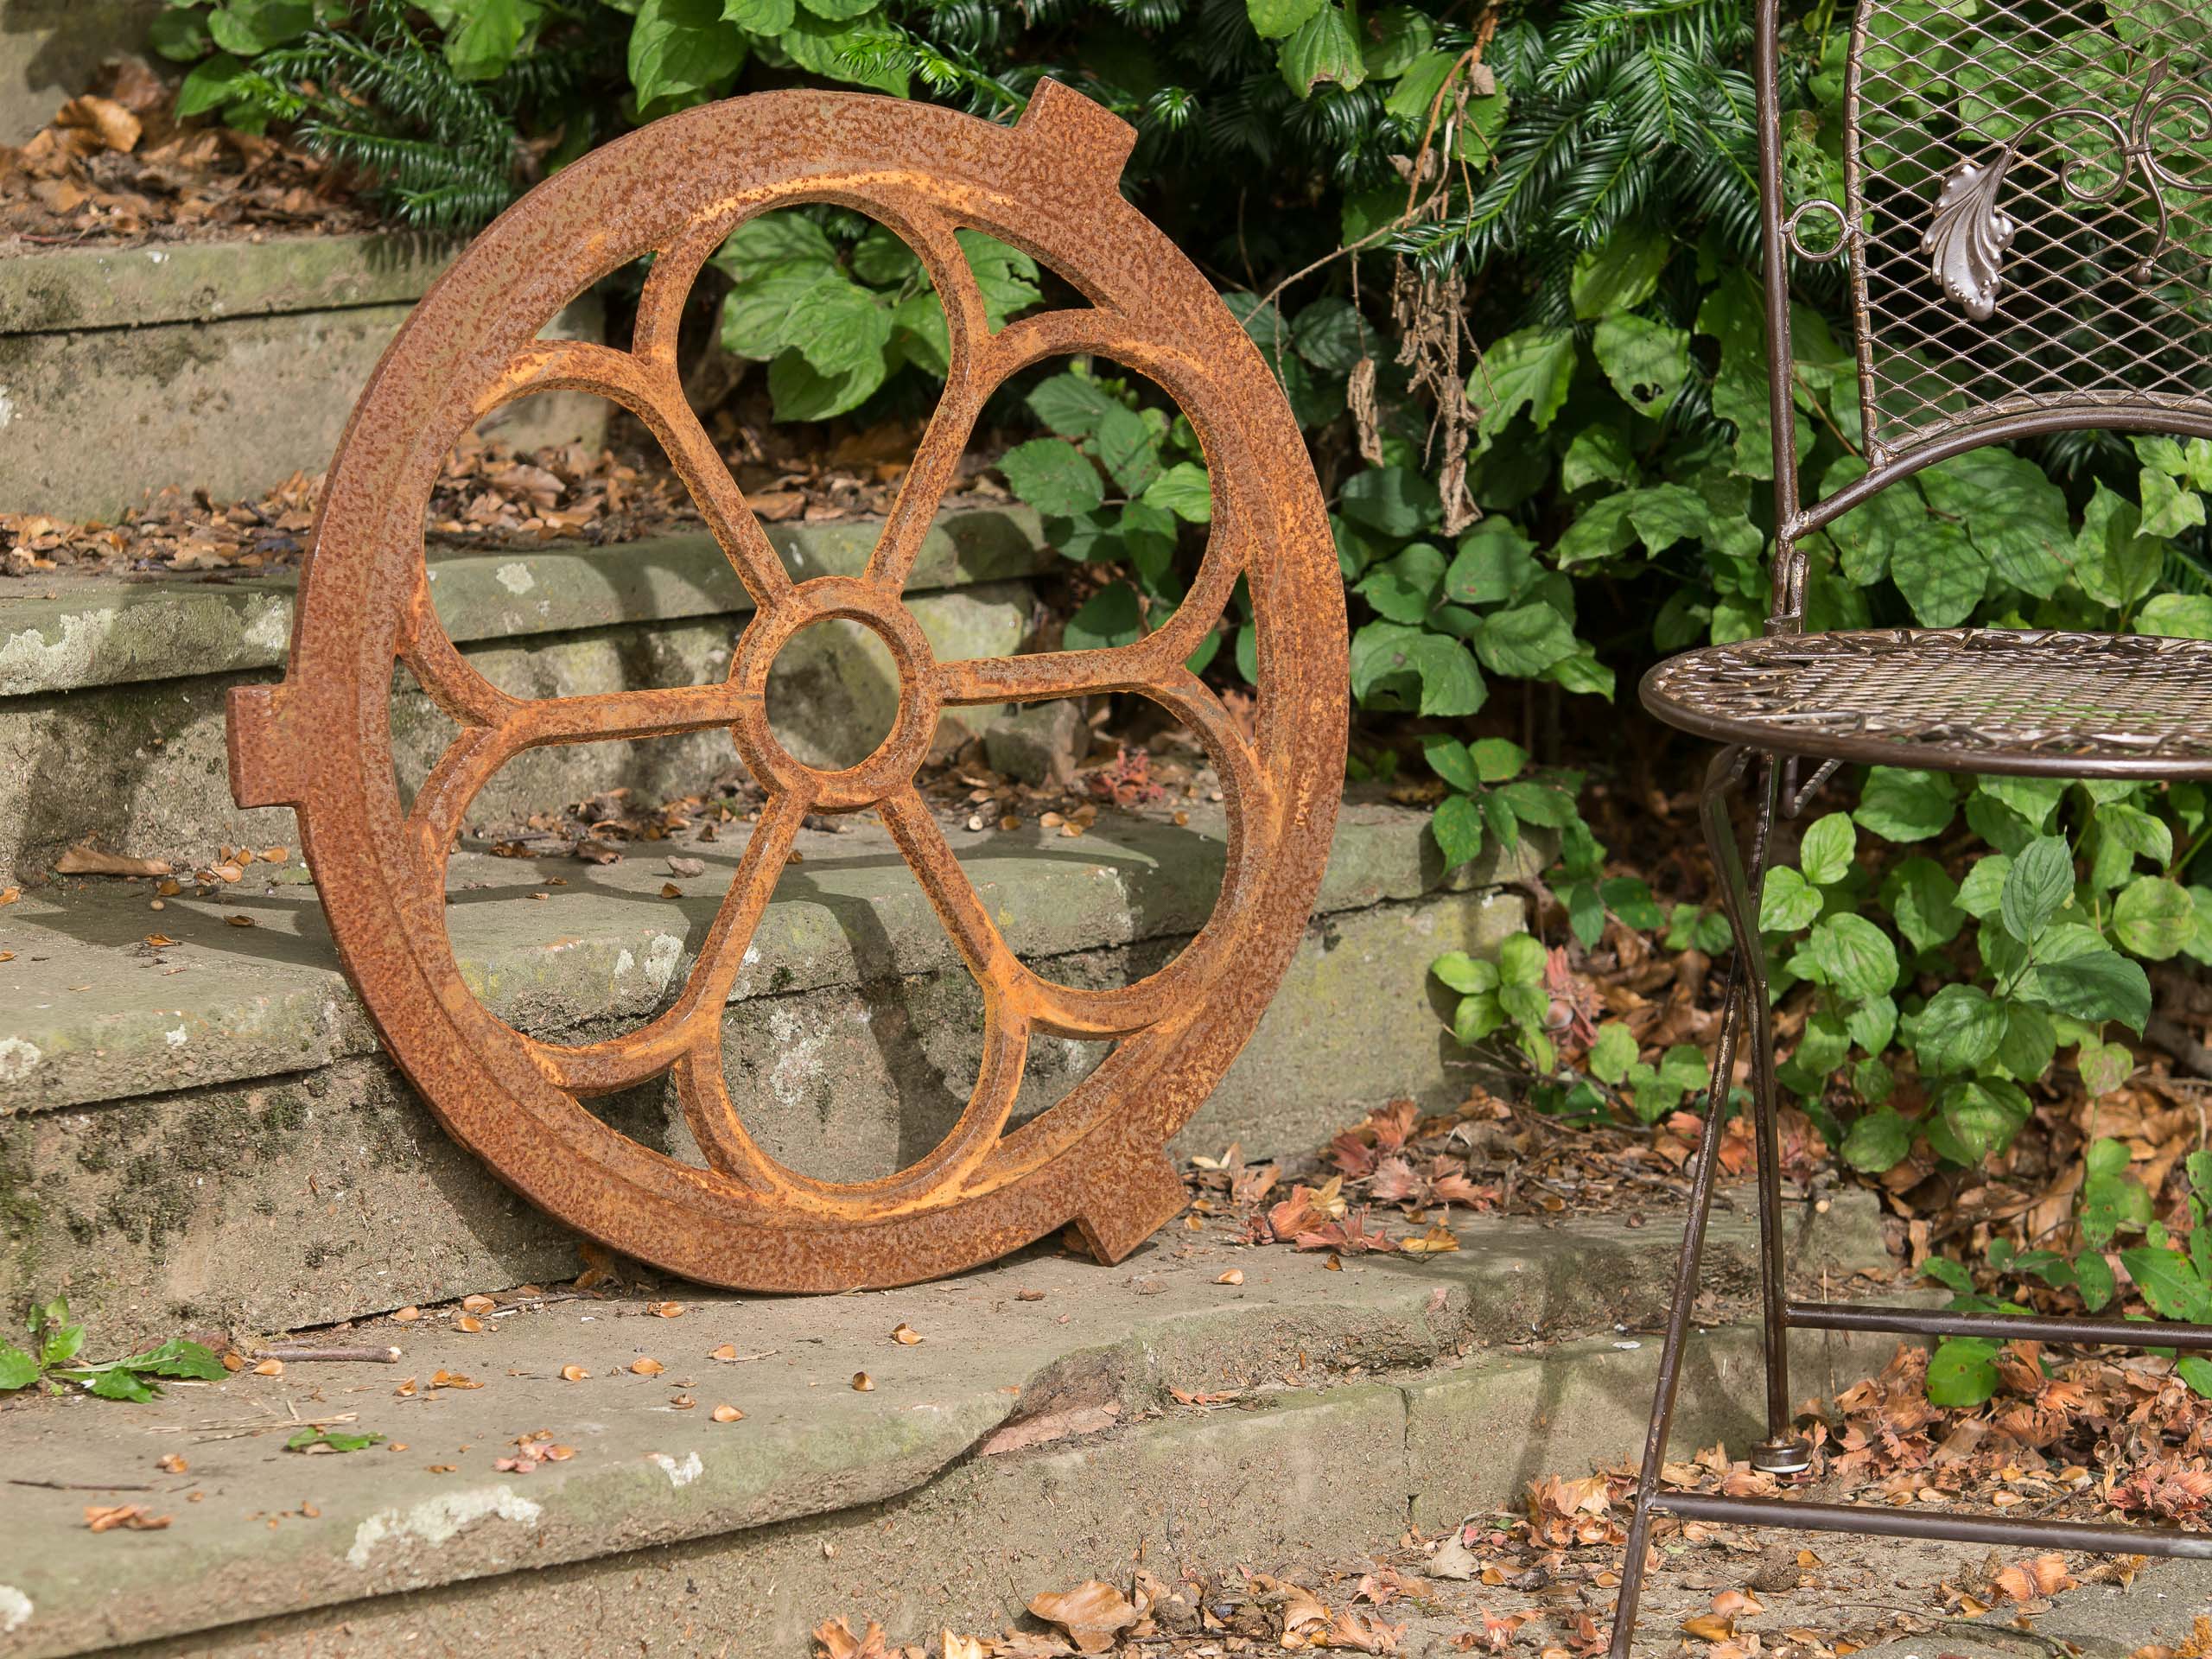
(1239, 1612)
(116, 165)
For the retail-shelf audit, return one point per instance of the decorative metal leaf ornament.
(1969, 236)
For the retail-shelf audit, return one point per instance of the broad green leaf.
(1941, 573)
(2098, 985)
(1923, 902)
(1494, 564)
(2114, 564)
(1498, 760)
(1395, 501)
(1332, 335)
(178, 1356)
(1962, 1371)
(682, 50)
(2169, 1281)
(2093, 1277)
(1619, 274)
(1825, 854)
(1396, 666)
(1053, 476)
(2154, 917)
(1534, 803)
(1458, 827)
(768, 18)
(252, 27)
(800, 393)
(18, 1368)
(770, 240)
(1185, 490)
(1108, 617)
(2040, 882)
(1905, 806)
(2196, 1370)
(1959, 1029)
(2010, 509)
(840, 328)
(1125, 447)
(330, 1440)
(2104, 1066)
(1071, 405)
(489, 34)
(1476, 1018)
(2167, 509)
(1855, 957)
(1872, 1023)
(1275, 20)
(1788, 903)
(1405, 588)
(1322, 48)
(1646, 361)
(210, 85)
(1597, 454)
(758, 313)
(1977, 1117)
(1521, 961)
(1465, 974)
(1982, 893)
(1876, 1141)
(1524, 641)
(1866, 536)
(1396, 37)
(118, 1384)
(2181, 616)
(1612, 1054)
(1005, 276)
(1530, 370)
(1448, 759)
(2031, 1042)
(825, 46)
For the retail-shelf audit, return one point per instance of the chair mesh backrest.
(2030, 181)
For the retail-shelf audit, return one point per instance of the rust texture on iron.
(2019, 264)
(320, 741)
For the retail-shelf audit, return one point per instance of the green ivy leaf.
(2180, 616)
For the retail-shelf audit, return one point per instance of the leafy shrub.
(1504, 274)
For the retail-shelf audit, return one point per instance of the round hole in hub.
(833, 694)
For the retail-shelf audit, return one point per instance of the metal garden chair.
(2025, 227)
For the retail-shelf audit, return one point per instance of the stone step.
(111, 687)
(1031, 1438)
(225, 365)
(205, 1130)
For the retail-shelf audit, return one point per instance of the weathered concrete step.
(203, 1131)
(1028, 1438)
(218, 364)
(111, 687)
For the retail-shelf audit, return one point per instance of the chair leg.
(1735, 1017)
(1784, 1452)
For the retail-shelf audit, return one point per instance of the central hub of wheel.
(895, 760)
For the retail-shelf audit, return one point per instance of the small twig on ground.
(376, 1354)
(84, 1486)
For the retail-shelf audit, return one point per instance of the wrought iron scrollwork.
(1969, 234)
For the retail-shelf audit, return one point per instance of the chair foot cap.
(1786, 1457)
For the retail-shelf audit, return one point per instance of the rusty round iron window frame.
(320, 741)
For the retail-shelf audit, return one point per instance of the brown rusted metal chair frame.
(1908, 257)
(321, 742)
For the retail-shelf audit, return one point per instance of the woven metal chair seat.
(1953, 699)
